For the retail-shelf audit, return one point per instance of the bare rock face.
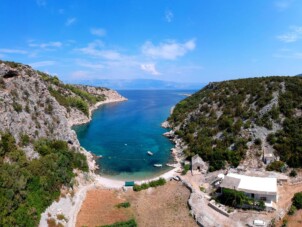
(28, 107)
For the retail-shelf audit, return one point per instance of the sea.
(122, 133)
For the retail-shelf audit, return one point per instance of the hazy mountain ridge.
(141, 84)
(239, 122)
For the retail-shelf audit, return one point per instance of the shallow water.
(123, 133)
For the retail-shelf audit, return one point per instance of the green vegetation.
(24, 140)
(130, 223)
(292, 210)
(235, 199)
(155, 183)
(17, 107)
(297, 200)
(70, 101)
(123, 205)
(28, 187)
(11, 63)
(210, 121)
(293, 173)
(186, 168)
(278, 166)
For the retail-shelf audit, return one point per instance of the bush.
(293, 173)
(24, 139)
(186, 168)
(297, 200)
(17, 107)
(123, 205)
(130, 223)
(155, 183)
(276, 166)
(258, 141)
(292, 210)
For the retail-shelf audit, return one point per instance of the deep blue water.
(123, 133)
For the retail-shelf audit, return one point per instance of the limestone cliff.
(39, 105)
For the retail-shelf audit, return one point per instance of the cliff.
(39, 105)
(40, 155)
(246, 122)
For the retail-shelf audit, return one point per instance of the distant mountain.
(299, 74)
(145, 84)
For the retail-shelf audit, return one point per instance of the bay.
(123, 133)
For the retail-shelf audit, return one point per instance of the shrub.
(17, 107)
(130, 223)
(123, 205)
(293, 173)
(297, 200)
(24, 139)
(292, 210)
(258, 141)
(276, 166)
(155, 183)
(186, 168)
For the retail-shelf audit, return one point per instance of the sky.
(185, 41)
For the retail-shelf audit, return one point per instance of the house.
(259, 188)
(197, 163)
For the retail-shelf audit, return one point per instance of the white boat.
(158, 165)
(149, 153)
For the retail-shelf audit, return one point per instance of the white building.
(259, 188)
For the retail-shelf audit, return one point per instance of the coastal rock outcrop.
(39, 105)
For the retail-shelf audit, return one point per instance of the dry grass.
(163, 206)
(99, 208)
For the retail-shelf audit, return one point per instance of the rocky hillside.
(38, 150)
(39, 105)
(243, 122)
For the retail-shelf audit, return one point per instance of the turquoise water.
(123, 133)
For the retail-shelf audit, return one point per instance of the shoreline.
(70, 204)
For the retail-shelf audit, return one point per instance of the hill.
(240, 122)
(39, 152)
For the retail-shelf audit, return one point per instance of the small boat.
(158, 165)
(100, 156)
(149, 153)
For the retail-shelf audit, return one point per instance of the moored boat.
(158, 165)
(149, 153)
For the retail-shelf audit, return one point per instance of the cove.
(123, 133)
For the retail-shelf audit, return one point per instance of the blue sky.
(183, 41)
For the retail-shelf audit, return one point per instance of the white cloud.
(70, 21)
(12, 51)
(96, 49)
(169, 16)
(41, 2)
(41, 64)
(89, 65)
(169, 50)
(80, 75)
(283, 4)
(46, 45)
(98, 31)
(150, 68)
(294, 35)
